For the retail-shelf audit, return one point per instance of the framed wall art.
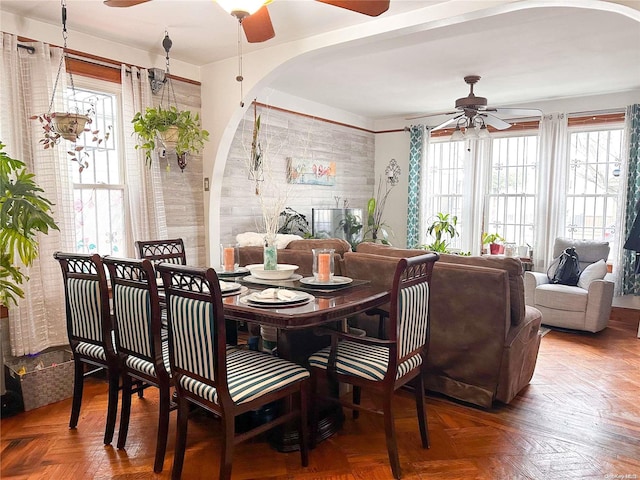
(311, 172)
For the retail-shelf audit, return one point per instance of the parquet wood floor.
(579, 419)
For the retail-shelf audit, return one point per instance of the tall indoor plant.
(24, 213)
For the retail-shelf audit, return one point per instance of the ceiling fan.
(258, 27)
(472, 111)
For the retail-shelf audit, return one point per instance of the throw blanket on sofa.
(253, 239)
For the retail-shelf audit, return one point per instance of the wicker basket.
(52, 383)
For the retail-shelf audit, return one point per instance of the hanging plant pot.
(169, 138)
(69, 125)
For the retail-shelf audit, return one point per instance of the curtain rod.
(28, 48)
(99, 61)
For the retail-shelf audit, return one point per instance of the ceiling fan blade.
(123, 3)
(494, 121)
(373, 8)
(447, 123)
(432, 115)
(519, 112)
(258, 27)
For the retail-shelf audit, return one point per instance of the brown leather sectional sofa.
(484, 340)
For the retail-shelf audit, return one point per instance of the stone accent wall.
(183, 191)
(285, 134)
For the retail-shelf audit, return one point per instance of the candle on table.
(229, 259)
(324, 270)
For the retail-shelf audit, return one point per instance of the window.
(594, 185)
(444, 183)
(99, 190)
(511, 195)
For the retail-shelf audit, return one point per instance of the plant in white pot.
(174, 130)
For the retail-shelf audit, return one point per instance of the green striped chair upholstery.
(226, 381)
(383, 366)
(142, 347)
(89, 329)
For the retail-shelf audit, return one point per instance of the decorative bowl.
(283, 272)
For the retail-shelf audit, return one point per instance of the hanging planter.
(170, 137)
(166, 127)
(57, 126)
(69, 125)
(177, 131)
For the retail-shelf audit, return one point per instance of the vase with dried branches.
(271, 194)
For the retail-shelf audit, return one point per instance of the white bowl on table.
(283, 271)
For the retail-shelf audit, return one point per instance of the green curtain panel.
(631, 280)
(416, 150)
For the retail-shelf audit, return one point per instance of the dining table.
(329, 304)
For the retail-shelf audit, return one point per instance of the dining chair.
(224, 380)
(384, 365)
(157, 251)
(90, 329)
(142, 351)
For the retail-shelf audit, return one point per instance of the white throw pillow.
(595, 271)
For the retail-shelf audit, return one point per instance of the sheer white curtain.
(144, 185)
(552, 174)
(26, 86)
(478, 164)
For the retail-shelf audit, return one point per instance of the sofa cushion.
(595, 271)
(561, 297)
(513, 266)
(339, 245)
(388, 251)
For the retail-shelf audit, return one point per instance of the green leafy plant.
(351, 226)
(488, 238)
(57, 126)
(443, 229)
(155, 122)
(23, 213)
(294, 223)
(376, 230)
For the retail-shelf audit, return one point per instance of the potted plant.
(57, 126)
(293, 223)
(23, 214)
(492, 240)
(376, 229)
(442, 227)
(170, 128)
(351, 226)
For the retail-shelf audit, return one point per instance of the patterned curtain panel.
(631, 279)
(416, 153)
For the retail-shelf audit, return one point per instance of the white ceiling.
(523, 56)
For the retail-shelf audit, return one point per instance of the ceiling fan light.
(484, 132)
(457, 135)
(241, 8)
(471, 133)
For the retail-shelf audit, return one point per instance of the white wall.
(394, 145)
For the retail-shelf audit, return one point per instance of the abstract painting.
(311, 172)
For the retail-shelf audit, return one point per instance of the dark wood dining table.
(296, 338)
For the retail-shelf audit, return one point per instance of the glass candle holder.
(323, 264)
(229, 257)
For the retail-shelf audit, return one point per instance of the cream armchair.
(586, 306)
